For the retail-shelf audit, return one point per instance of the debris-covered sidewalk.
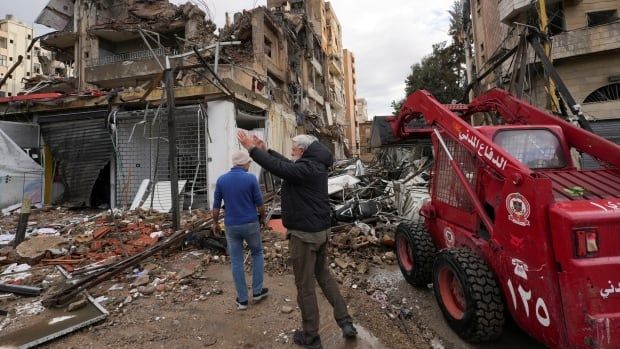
(131, 268)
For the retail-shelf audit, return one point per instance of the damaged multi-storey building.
(583, 45)
(102, 109)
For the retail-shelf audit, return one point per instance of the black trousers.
(309, 262)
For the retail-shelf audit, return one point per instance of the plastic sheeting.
(20, 176)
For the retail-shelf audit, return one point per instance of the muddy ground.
(187, 301)
(198, 311)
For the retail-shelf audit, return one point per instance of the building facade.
(350, 82)
(323, 83)
(15, 37)
(361, 116)
(365, 128)
(585, 44)
(270, 71)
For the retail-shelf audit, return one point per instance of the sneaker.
(300, 339)
(262, 295)
(241, 305)
(348, 330)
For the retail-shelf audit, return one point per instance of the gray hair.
(303, 141)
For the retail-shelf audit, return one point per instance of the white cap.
(240, 158)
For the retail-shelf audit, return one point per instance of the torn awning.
(21, 177)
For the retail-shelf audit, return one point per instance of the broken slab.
(339, 183)
(35, 248)
(53, 323)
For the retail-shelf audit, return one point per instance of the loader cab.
(539, 148)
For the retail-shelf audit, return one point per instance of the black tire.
(476, 310)
(415, 252)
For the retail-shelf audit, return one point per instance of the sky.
(386, 37)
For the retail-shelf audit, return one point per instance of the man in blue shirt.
(242, 198)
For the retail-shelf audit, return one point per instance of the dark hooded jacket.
(305, 202)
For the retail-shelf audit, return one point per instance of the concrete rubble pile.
(63, 245)
(369, 205)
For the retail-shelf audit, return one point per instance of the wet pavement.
(50, 324)
(170, 322)
(390, 280)
(331, 336)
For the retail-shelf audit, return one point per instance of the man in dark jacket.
(306, 215)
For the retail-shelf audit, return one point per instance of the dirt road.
(201, 313)
(427, 314)
(180, 321)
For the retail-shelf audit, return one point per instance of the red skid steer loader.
(513, 225)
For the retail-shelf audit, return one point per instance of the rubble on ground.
(366, 215)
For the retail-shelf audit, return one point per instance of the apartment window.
(601, 17)
(10, 41)
(27, 56)
(29, 37)
(10, 59)
(268, 48)
(37, 68)
(3, 60)
(27, 73)
(3, 43)
(557, 22)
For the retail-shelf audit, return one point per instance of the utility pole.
(22, 224)
(172, 144)
(552, 101)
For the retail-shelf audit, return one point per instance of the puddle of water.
(364, 340)
(50, 324)
(59, 319)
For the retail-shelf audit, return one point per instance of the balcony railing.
(129, 56)
(586, 41)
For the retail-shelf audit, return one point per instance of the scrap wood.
(65, 296)
(55, 261)
(101, 231)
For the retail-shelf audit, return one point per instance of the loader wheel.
(468, 295)
(415, 252)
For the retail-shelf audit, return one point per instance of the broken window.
(268, 48)
(557, 23)
(601, 17)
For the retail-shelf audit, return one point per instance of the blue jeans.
(235, 235)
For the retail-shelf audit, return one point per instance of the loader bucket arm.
(515, 111)
(422, 104)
